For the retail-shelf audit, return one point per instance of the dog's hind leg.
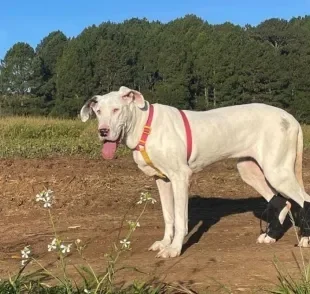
(284, 181)
(252, 174)
(277, 207)
(282, 168)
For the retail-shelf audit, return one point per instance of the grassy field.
(46, 137)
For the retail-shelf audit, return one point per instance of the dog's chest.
(142, 165)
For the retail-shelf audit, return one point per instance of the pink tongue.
(108, 150)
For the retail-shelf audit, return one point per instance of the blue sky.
(30, 21)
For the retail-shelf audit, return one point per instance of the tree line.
(187, 63)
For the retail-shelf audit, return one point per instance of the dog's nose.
(103, 132)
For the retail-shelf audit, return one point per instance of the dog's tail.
(298, 161)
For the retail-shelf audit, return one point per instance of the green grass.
(44, 137)
(306, 133)
(33, 284)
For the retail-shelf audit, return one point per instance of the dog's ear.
(129, 95)
(87, 108)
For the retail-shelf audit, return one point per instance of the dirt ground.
(92, 197)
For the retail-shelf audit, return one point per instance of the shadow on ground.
(209, 211)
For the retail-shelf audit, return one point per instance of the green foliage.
(35, 287)
(186, 63)
(17, 69)
(292, 284)
(48, 52)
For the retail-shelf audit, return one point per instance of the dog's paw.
(169, 252)
(159, 245)
(265, 239)
(304, 242)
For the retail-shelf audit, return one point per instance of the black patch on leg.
(271, 214)
(305, 220)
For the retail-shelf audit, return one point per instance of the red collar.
(147, 128)
(147, 131)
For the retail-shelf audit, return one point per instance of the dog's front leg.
(167, 203)
(180, 184)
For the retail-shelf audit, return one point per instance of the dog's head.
(114, 113)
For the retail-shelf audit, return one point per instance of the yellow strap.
(150, 163)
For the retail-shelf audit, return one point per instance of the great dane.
(267, 141)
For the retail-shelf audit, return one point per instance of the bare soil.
(92, 197)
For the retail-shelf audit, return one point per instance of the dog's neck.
(135, 126)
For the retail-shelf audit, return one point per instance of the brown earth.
(92, 197)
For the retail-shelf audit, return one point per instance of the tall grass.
(289, 283)
(44, 137)
(306, 133)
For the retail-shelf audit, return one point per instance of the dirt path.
(93, 196)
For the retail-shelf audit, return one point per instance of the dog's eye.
(98, 111)
(115, 110)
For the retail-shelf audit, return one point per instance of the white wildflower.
(133, 225)
(39, 197)
(46, 197)
(146, 197)
(25, 252)
(47, 204)
(87, 291)
(53, 245)
(79, 246)
(125, 243)
(65, 249)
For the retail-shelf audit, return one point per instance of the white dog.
(268, 141)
